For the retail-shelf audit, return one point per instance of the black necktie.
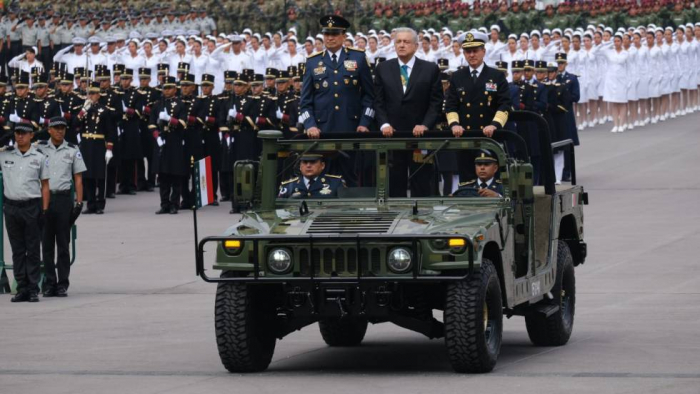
(334, 59)
(484, 185)
(474, 75)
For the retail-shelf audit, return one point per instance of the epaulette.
(38, 100)
(290, 180)
(315, 54)
(334, 176)
(202, 97)
(498, 181)
(8, 148)
(141, 91)
(43, 142)
(467, 183)
(356, 49)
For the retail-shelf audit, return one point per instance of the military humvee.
(365, 257)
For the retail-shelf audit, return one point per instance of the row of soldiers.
(131, 137)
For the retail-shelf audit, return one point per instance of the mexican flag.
(203, 182)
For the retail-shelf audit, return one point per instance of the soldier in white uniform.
(76, 58)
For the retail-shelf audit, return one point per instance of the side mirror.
(244, 174)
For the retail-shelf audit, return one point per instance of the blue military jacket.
(324, 186)
(337, 99)
(469, 188)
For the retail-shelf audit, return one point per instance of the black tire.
(244, 324)
(474, 321)
(556, 329)
(346, 331)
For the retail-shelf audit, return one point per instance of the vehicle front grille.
(332, 261)
(353, 223)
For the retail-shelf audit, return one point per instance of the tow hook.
(382, 296)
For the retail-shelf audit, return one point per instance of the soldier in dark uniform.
(149, 96)
(313, 182)
(71, 104)
(110, 99)
(5, 99)
(117, 71)
(571, 85)
(83, 77)
(193, 136)
(337, 92)
(167, 125)
(21, 108)
(26, 200)
(208, 110)
(478, 97)
(535, 74)
(271, 75)
(46, 106)
(231, 129)
(287, 105)
(447, 159)
(130, 137)
(485, 184)
(514, 90)
(98, 136)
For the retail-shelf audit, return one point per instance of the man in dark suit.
(408, 97)
(478, 97)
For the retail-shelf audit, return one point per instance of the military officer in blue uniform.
(572, 86)
(486, 184)
(337, 90)
(313, 182)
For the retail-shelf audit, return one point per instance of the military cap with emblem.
(257, 79)
(486, 156)
(333, 24)
(79, 72)
(144, 72)
(474, 39)
(501, 66)
(293, 72)
(230, 76)
(560, 57)
(58, 121)
(528, 64)
(540, 65)
(552, 67)
(271, 73)
(22, 79)
(169, 82)
(94, 87)
(444, 77)
(517, 65)
(443, 64)
(102, 74)
(207, 79)
(118, 69)
(67, 78)
(183, 67)
(283, 76)
(249, 73)
(41, 79)
(23, 127)
(187, 79)
(127, 73)
(163, 68)
(311, 157)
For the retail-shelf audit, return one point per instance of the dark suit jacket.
(420, 105)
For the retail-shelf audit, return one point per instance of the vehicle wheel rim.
(566, 302)
(490, 328)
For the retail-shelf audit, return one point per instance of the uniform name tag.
(491, 87)
(350, 65)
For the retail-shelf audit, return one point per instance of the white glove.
(279, 114)
(232, 113)
(14, 118)
(164, 116)
(108, 156)
(160, 142)
(123, 107)
(87, 105)
(41, 120)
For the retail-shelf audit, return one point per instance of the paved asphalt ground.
(137, 319)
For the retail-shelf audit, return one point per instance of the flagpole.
(194, 215)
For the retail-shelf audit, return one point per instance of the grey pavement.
(138, 320)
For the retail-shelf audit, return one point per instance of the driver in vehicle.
(486, 184)
(313, 182)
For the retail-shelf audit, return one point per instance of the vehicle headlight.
(399, 260)
(279, 261)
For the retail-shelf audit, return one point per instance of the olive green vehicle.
(365, 257)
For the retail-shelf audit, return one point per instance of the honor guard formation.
(100, 99)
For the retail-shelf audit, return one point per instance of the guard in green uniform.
(65, 164)
(26, 184)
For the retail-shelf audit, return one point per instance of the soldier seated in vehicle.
(486, 184)
(313, 182)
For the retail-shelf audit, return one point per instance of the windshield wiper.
(427, 158)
